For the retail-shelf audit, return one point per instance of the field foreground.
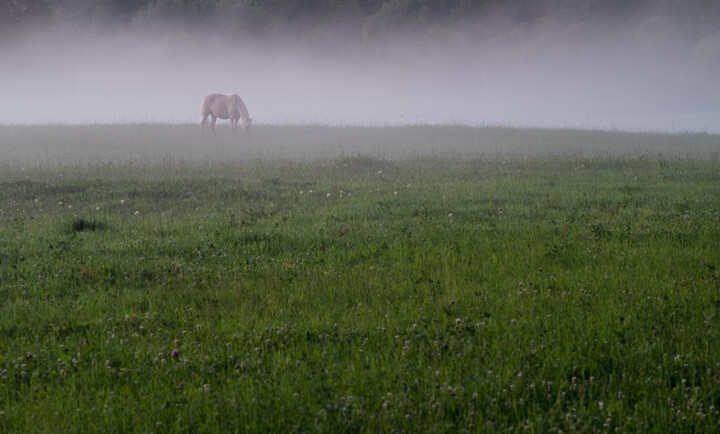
(335, 288)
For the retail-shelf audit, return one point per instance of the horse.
(224, 107)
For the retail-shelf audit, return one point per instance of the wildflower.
(395, 193)
(452, 301)
(175, 352)
(122, 201)
(137, 212)
(328, 195)
(97, 208)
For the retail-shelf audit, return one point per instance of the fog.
(552, 73)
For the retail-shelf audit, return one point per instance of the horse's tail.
(204, 112)
(205, 106)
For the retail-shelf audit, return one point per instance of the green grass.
(498, 279)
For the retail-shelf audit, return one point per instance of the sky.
(545, 75)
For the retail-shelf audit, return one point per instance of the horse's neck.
(241, 108)
(243, 112)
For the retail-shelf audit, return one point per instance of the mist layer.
(636, 70)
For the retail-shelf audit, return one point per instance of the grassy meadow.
(345, 279)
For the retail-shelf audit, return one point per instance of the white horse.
(225, 107)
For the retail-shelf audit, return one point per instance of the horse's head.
(246, 124)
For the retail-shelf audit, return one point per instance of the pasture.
(344, 279)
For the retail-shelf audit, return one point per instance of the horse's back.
(207, 103)
(215, 104)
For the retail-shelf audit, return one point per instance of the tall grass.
(395, 286)
(58, 145)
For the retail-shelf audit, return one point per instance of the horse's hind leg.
(212, 122)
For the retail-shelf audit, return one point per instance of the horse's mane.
(240, 106)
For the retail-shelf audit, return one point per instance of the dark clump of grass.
(82, 225)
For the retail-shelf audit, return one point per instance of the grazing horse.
(224, 107)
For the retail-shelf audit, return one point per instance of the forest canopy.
(339, 22)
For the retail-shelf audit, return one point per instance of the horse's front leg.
(212, 122)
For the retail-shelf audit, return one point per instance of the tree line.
(347, 20)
